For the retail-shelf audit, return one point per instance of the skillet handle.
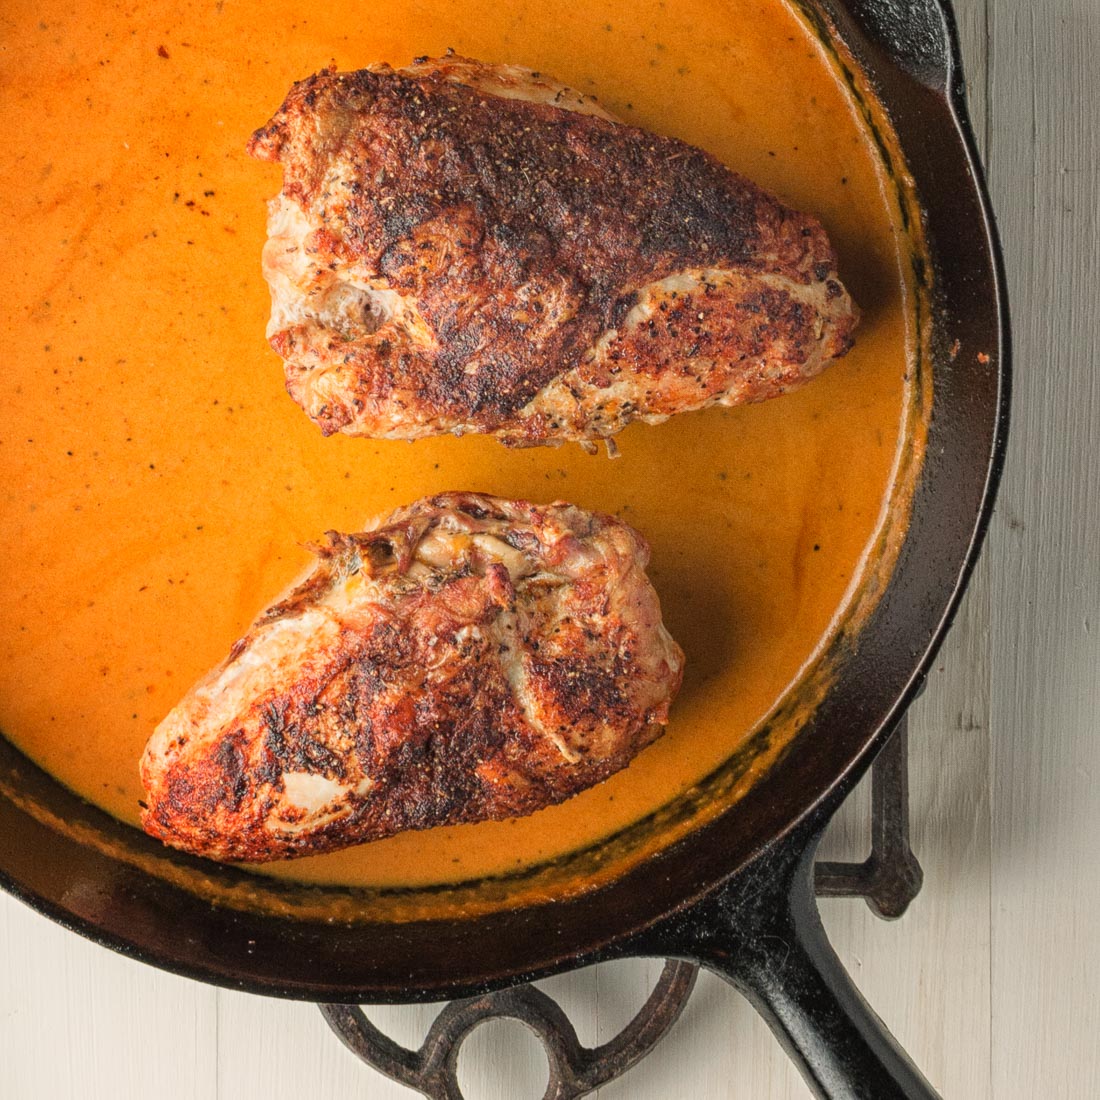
(765, 937)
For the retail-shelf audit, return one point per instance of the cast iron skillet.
(735, 895)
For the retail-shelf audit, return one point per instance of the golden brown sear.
(462, 247)
(468, 659)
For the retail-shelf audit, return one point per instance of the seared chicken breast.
(467, 659)
(462, 247)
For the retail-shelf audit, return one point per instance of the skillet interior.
(116, 902)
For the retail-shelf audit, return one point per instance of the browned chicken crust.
(468, 659)
(461, 247)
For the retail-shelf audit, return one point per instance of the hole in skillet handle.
(575, 1070)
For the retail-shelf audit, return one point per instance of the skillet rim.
(240, 935)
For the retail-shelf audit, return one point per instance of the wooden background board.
(992, 980)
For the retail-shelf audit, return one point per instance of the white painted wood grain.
(80, 1022)
(992, 980)
(1045, 556)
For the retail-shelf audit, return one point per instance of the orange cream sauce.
(158, 484)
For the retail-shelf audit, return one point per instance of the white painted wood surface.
(992, 980)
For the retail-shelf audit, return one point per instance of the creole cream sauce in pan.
(158, 484)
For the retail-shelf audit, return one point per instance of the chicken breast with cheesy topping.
(463, 247)
(467, 659)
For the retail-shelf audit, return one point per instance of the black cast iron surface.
(890, 877)
(742, 884)
(575, 1070)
